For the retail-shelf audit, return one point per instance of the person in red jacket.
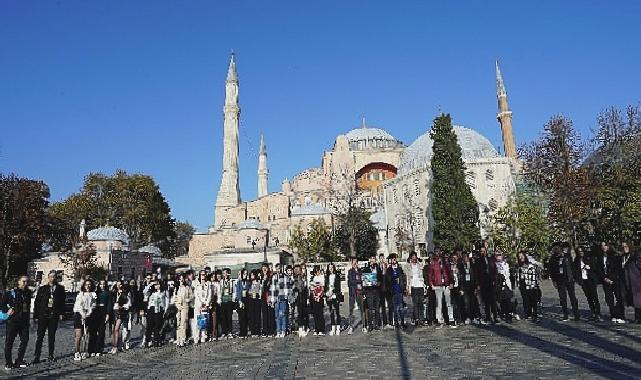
(441, 280)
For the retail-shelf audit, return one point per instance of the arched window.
(493, 204)
(470, 179)
(489, 175)
(417, 187)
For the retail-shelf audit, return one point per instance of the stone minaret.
(504, 116)
(262, 169)
(229, 192)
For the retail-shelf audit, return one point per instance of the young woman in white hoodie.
(156, 306)
(82, 308)
(202, 302)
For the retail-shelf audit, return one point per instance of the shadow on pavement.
(405, 369)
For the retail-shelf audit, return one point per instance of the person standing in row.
(631, 261)
(416, 288)
(486, 274)
(334, 295)
(561, 274)
(611, 270)
(103, 307)
(82, 320)
(202, 302)
(156, 306)
(397, 282)
(241, 297)
(301, 290)
(504, 291)
(385, 295)
(528, 280)
(318, 296)
(468, 286)
(17, 304)
(440, 279)
(279, 292)
(184, 300)
(586, 274)
(48, 309)
(372, 278)
(268, 313)
(226, 302)
(254, 306)
(122, 303)
(355, 287)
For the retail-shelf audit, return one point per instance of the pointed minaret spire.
(232, 75)
(363, 123)
(229, 191)
(500, 86)
(262, 169)
(504, 116)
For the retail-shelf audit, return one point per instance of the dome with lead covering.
(250, 224)
(108, 234)
(419, 154)
(371, 138)
(150, 249)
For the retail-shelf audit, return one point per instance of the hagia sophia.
(367, 167)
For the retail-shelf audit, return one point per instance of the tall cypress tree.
(454, 209)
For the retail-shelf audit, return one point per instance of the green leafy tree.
(314, 245)
(356, 235)
(184, 232)
(24, 223)
(132, 202)
(454, 209)
(553, 164)
(521, 225)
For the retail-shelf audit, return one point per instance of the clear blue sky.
(139, 85)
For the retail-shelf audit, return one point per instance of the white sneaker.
(331, 332)
(517, 317)
(364, 330)
(321, 334)
(77, 356)
(622, 321)
(83, 355)
(315, 333)
(338, 330)
(468, 321)
(350, 330)
(614, 320)
(113, 351)
(127, 346)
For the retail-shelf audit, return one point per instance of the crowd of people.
(448, 289)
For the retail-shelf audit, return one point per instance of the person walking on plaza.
(397, 282)
(17, 304)
(372, 278)
(416, 288)
(587, 275)
(562, 276)
(279, 293)
(83, 309)
(317, 288)
(334, 296)
(254, 306)
(485, 268)
(440, 279)
(121, 304)
(355, 287)
(611, 270)
(631, 262)
(48, 309)
(157, 304)
(528, 279)
(103, 307)
(241, 297)
(184, 300)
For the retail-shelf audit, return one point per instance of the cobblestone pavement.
(549, 349)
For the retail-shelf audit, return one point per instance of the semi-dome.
(108, 234)
(419, 154)
(150, 249)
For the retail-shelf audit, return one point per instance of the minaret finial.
(232, 75)
(500, 85)
(363, 124)
(262, 149)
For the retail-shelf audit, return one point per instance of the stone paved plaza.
(549, 349)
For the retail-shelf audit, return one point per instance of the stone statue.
(82, 229)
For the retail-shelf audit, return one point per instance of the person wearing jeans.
(279, 291)
(416, 287)
(372, 279)
(440, 279)
(397, 282)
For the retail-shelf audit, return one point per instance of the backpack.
(202, 321)
(5, 316)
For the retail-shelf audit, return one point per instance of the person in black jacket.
(17, 304)
(47, 310)
(562, 276)
(334, 295)
(485, 268)
(468, 284)
(397, 283)
(611, 270)
(372, 279)
(586, 274)
(355, 287)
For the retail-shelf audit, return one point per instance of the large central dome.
(365, 138)
(419, 154)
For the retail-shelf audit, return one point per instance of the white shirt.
(417, 278)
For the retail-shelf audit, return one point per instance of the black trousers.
(334, 311)
(318, 310)
(430, 311)
(387, 307)
(47, 325)
(243, 317)
(614, 299)
(227, 309)
(303, 313)
(373, 308)
(532, 303)
(591, 295)
(269, 318)
(418, 299)
(101, 325)
(253, 316)
(488, 296)
(470, 303)
(154, 324)
(566, 289)
(15, 328)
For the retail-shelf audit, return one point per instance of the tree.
(521, 225)
(184, 232)
(455, 211)
(131, 202)
(356, 234)
(81, 260)
(24, 223)
(553, 164)
(315, 244)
